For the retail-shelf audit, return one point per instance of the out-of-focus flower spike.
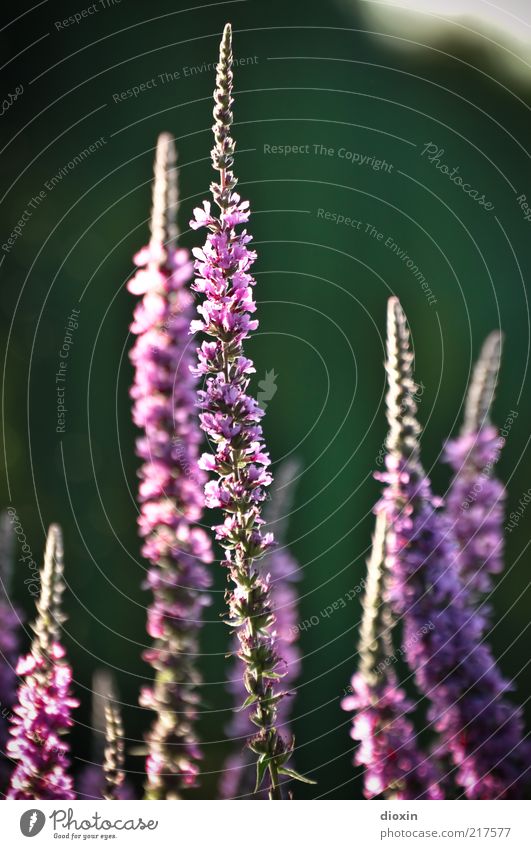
(42, 715)
(395, 766)
(165, 195)
(7, 547)
(90, 783)
(171, 489)
(113, 761)
(104, 689)
(442, 634)
(480, 396)
(278, 507)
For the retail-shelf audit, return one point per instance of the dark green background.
(322, 290)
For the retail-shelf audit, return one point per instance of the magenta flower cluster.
(42, 717)
(42, 714)
(394, 764)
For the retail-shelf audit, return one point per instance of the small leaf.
(248, 701)
(284, 770)
(261, 767)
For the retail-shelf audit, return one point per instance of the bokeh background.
(353, 84)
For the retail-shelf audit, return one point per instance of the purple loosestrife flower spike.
(479, 728)
(395, 767)
(91, 781)
(231, 419)
(10, 619)
(43, 712)
(238, 778)
(476, 499)
(171, 489)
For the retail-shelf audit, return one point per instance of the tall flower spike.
(479, 728)
(42, 715)
(171, 489)
(91, 781)
(238, 777)
(475, 503)
(231, 418)
(395, 767)
(10, 619)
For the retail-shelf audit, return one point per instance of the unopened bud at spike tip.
(404, 428)
(165, 196)
(47, 626)
(480, 396)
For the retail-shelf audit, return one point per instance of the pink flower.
(230, 416)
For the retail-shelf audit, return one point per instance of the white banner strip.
(233, 824)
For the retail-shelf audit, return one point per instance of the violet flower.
(395, 766)
(476, 499)
(231, 419)
(91, 783)
(479, 728)
(171, 489)
(42, 715)
(238, 777)
(10, 619)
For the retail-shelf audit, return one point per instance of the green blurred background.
(316, 73)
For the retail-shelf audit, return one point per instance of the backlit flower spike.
(230, 416)
(479, 728)
(10, 619)
(43, 713)
(475, 505)
(238, 778)
(482, 390)
(114, 754)
(91, 781)
(394, 765)
(171, 489)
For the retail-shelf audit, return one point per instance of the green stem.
(275, 790)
